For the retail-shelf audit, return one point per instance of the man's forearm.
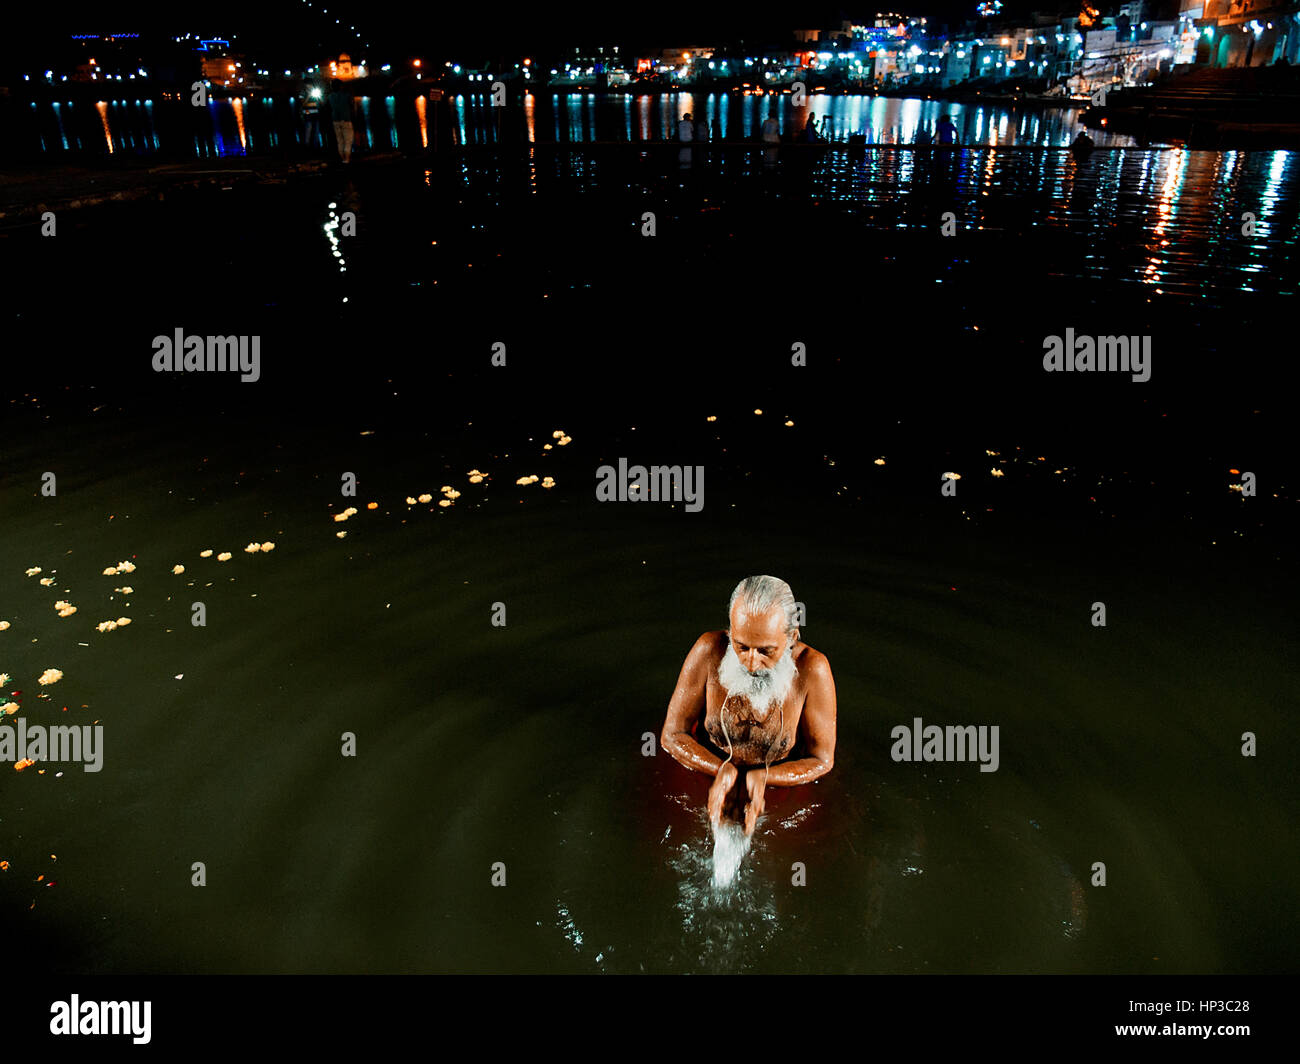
(686, 751)
(794, 773)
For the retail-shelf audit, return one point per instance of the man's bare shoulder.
(710, 647)
(812, 663)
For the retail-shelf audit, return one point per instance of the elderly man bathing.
(763, 695)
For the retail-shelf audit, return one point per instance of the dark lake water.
(522, 744)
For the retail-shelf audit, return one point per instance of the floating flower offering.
(34, 570)
(206, 553)
(177, 570)
(46, 581)
(50, 676)
(224, 556)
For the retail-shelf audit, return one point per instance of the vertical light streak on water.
(237, 105)
(643, 116)
(364, 137)
(102, 107)
(217, 138)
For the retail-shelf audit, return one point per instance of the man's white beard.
(764, 689)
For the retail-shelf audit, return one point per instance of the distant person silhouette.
(685, 134)
(340, 105)
(947, 131)
(771, 138)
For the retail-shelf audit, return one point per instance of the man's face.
(758, 640)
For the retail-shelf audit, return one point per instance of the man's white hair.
(758, 594)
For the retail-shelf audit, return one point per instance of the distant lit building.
(224, 70)
(343, 68)
(1239, 33)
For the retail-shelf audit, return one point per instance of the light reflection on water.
(1186, 224)
(243, 125)
(1171, 222)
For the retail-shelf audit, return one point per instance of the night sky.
(510, 25)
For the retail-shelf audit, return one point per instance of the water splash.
(728, 913)
(567, 925)
(730, 845)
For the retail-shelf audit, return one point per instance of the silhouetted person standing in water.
(771, 138)
(340, 105)
(685, 134)
(947, 131)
